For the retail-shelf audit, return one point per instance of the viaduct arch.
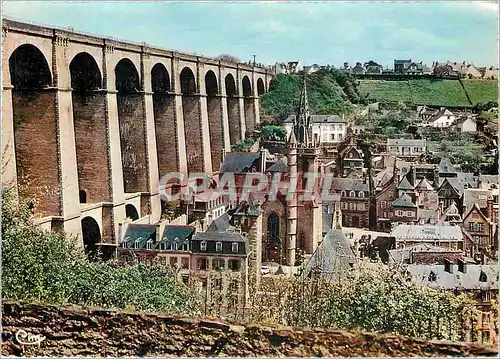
(91, 124)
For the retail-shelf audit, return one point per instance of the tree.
(273, 133)
(228, 58)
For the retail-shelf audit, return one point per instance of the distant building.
(491, 73)
(467, 124)
(438, 235)
(373, 68)
(311, 69)
(325, 128)
(354, 201)
(401, 65)
(358, 69)
(404, 147)
(294, 67)
(351, 158)
(417, 68)
(441, 118)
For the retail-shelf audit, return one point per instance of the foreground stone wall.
(75, 331)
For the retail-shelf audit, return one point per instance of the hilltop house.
(373, 68)
(467, 124)
(417, 68)
(311, 69)
(358, 69)
(294, 67)
(401, 65)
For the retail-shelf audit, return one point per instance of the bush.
(50, 267)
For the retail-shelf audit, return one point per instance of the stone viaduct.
(90, 124)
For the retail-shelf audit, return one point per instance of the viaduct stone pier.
(91, 124)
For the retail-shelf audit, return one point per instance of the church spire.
(302, 120)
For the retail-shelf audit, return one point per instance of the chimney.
(448, 265)
(462, 265)
(489, 209)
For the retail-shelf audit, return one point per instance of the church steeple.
(302, 119)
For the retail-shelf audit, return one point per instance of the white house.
(324, 128)
(467, 124)
(311, 69)
(438, 118)
(404, 147)
(294, 67)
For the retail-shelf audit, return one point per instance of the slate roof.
(445, 166)
(220, 224)
(141, 232)
(489, 179)
(348, 184)
(247, 209)
(427, 232)
(424, 185)
(279, 166)
(405, 142)
(173, 232)
(404, 201)
(475, 196)
(403, 254)
(469, 280)
(427, 216)
(319, 119)
(382, 178)
(333, 259)
(240, 162)
(405, 185)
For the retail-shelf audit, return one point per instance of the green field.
(481, 91)
(431, 92)
(384, 90)
(434, 92)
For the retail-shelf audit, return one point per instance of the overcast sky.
(323, 33)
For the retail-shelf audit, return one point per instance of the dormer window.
(203, 246)
(343, 194)
(185, 246)
(175, 244)
(361, 194)
(218, 246)
(483, 277)
(234, 247)
(149, 244)
(137, 244)
(352, 194)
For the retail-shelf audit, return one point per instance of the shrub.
(51, 267)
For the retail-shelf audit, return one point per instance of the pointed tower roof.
(424, 185)
(405, 184)
(292, 140)
(302, 118)
(403, 201)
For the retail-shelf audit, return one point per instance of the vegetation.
(481, 91)
(50, 267)
(228, 58)
(377, 299)
(243, 145)
(325, 95)
(430, 92)
(273, 133)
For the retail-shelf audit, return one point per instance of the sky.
(311, 32)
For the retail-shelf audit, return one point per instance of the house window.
(409, 214)
(234, 264)
(361, 206)
(476, 227)
(218, 246)
(361, 194)
(273, 226)
(202, 264)
(218, 264)
(340, 137)
(332, 137)
(350, 154)
(384, 214)
(137, 244)
(203, 246)
(149, 244)
(175, 245)
(383, 204)
(481, 227)
(173, 261)
(184, 263)
(234, 247)
(352, 194)
(343, 194)
(185, 246)
(471, 226)
(352, 206)
(399, 213)
(343, 205)
(185, 278)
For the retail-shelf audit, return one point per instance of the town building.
(480, 280)
(467, 124)
(422, 254)
(440, 118)
(438, 235)
(324, 129)
(373, 68)
(406, 148)
(359, 69)
(354, 201)
(401, 65)
(351, 158)
(404, 210)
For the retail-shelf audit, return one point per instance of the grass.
(438, 92)
(386, 91)
(431, 92)
(481, 91)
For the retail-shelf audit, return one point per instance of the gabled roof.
(219, 237)
(405, 142)
(475, 207)
(279, 166)
(405, 185)
(240, 162)
(404, 201)
(427, 232)
(333, 259)
(348, 184)
(454, 184)
(445, 166)
(474, 196)
(220, 224)
(424, 185)
(319, 119)
(427, 216)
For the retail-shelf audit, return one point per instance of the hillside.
(431, 92)
(328, 93)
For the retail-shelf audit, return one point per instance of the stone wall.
(75, 331)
